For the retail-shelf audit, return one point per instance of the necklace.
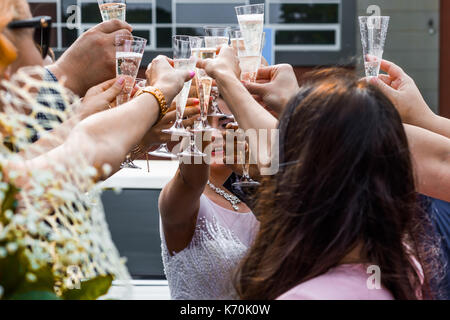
(232, 199)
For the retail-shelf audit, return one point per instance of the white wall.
(409, 43)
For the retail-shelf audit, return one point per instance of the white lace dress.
(204, 270)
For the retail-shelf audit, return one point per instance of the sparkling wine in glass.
(216, 37)
(203, 81)
(251, 21)
(183, 60)
(129, 52)
(373, 37)
(248, 62)
(245, 181)
(113, 9)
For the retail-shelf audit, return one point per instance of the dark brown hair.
(347, 183)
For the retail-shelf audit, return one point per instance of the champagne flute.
(112, 9)
(245, 180)
(203, 81)
(215, 38)
(373, 36)
(129, 53)
(183, 60)
(251, 21)
(248, 62)
(249, 65)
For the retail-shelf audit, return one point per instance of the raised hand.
(225, 64)
(101, 97)
(403, 92)
(162, 75)
(275, 86)
(155, 136)
(91, 59)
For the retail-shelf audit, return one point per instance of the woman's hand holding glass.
(101, 97)
(275, 86)
(155, 136)
(225, 65)
(162, 75)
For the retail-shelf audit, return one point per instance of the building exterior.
(305, 32)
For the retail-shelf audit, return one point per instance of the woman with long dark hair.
(344, 200)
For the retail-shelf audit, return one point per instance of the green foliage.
(12, 271)
(91, 289)
(16, 276)
(35, 295)
(9, 202)
(20, 282)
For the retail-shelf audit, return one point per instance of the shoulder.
(347, 282)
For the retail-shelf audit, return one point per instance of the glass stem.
(178, 121)
(245, 167)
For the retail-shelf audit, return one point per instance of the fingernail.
(192, 74)
(121, 81)
(196, 101)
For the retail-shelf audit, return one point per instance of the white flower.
(31, 277)
(9, 214)
(12, 247)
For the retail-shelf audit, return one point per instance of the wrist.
(167, 91)
(67, 77)
(287, 97)
(419, 119)
(224, 78)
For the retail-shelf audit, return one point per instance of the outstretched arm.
(275, 86)
(100, 138)
(179, 203)
(408, 100)
(431, 161)
(247, 111)
(96, 100)
(90, 60)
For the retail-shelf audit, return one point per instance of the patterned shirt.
(51, 99)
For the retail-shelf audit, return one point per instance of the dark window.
(164, 37)
(305, 37)
(139, 13)
(191, 31)
(212, 13)
(68, 37)
(304, 13)
(44, 9)
(143, 34)
(65, 4)
(164, 11)
(90, 13)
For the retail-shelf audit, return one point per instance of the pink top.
(345, 282)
